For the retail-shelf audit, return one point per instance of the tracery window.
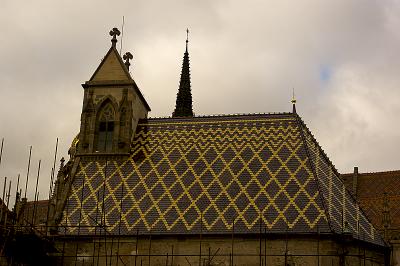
(106, 128)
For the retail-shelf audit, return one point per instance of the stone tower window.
(106, 128)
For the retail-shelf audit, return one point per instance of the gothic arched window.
(106, 128)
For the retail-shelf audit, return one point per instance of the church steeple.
(183, 107)
(112, 106)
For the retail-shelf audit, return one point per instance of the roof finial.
(187, 39)
(293, 101)
(114, 33)
(127, 56)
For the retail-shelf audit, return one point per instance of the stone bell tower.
(112, 106)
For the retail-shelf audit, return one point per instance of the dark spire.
(294, 103)
(114, 33)
(183, 107)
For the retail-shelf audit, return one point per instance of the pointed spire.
(293, 101)
(183, 107)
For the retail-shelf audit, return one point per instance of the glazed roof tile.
(215, 175)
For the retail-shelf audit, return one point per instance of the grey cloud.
(245, 57)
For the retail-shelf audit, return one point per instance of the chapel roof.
(215, 175)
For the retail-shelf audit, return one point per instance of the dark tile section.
(212, 175)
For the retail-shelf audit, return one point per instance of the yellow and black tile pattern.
(344, 213)
(187, 176)
(201, 175)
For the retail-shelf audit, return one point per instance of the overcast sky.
(341, 56)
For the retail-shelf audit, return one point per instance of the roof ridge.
(319, 147)
(347, 193)
(377, 172)
(221, 115)
(300, 123)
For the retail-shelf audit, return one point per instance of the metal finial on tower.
(127, 56)
(293, 101)
(114, 33)
(187, 39)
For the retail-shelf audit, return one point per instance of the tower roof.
(114, 71)
(111, 68)
(183, 107)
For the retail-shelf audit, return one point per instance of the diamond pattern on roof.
(343, 211)
(191, 175)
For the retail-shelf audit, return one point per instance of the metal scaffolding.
(28, 237)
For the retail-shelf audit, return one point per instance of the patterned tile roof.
(204, 174)
(370, 195)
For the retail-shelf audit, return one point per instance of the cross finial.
(187, 38)
(127, 56)
(293, 101)
(114, 33)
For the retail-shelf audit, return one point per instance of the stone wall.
(216, 251)
(395, 255)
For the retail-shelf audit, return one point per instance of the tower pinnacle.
(114, 33)
(183, 107)
(127, 56)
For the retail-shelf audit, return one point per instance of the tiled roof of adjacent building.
(204, 174)
(38, 209)
(370, 191)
